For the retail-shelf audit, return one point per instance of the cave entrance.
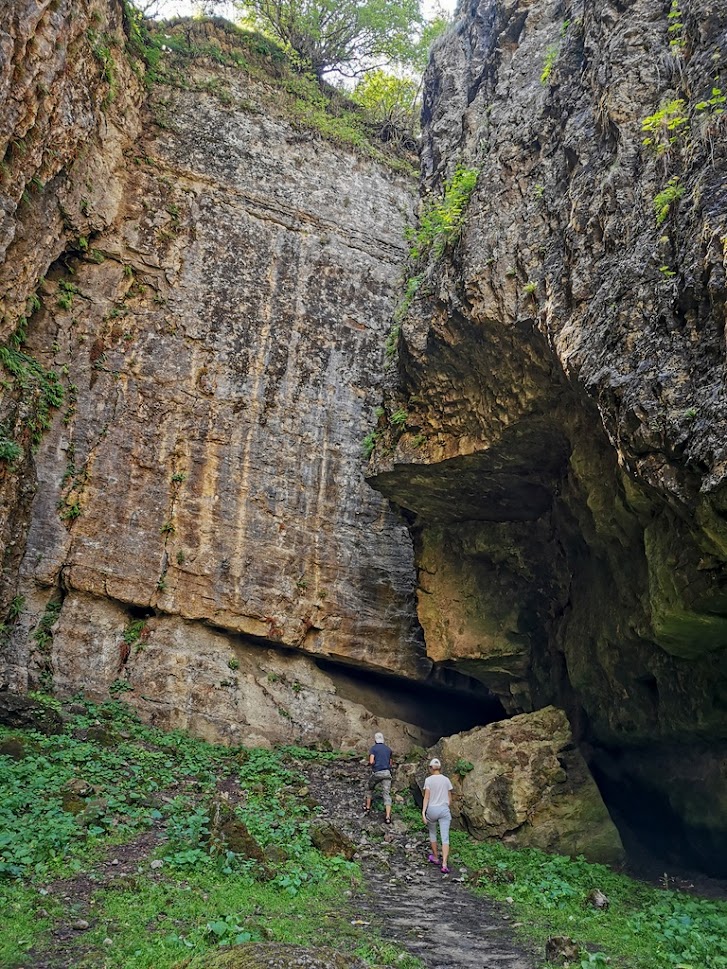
(448, 702)
(656, 837)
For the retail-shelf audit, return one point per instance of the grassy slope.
(137, 779)
(168, 47)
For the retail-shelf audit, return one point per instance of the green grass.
(132, 778)
(643, 928)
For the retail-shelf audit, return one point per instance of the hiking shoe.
(387, 820)
(444, 870)
(432, 860)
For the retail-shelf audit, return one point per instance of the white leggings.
(442, 814)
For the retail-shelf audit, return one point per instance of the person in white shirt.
(437, 800)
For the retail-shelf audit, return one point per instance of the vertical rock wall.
(562, 374)
(215, 300)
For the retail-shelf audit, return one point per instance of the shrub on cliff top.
(348, 36)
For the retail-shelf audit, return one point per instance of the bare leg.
(445, 855)
(388, 810)
(435, 852)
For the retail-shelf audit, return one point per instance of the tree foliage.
(348, 36)
(388, 101)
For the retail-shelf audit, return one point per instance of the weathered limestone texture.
(219, 333)
(562, 371)
(69, 108)
(182, 675)
(529, 786)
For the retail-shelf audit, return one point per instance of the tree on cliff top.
(348, 36)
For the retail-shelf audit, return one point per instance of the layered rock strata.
(216, 284)
(562, 372)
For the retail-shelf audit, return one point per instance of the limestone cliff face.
(217, 284)
(562, 370)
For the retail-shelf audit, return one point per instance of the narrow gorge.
(202, 318)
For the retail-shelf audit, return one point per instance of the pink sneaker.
(444, 870)
(433, 860)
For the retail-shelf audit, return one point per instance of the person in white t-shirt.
(437, 800)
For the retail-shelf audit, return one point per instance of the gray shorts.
(382, 777)
(442, 814)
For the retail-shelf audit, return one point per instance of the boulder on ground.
(14, 747)
(228, 830)
(275, 955)
(524, 781)
(330, 841)
(17, 710)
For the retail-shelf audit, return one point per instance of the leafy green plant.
(551, 56)
(399, 417)
(675, 30)
(714, 103)
(369, 443)
(9, 450)
(441, 220)
(16, 607)
(463, 767)
(66, 292)
(665, 199)
(43, 635)
(666, 127)
(410, 290)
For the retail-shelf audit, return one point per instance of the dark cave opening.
(656, 838)
(448, 702)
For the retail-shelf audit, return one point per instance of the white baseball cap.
(435, 763)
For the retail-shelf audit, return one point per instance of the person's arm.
(371, 758)
(424, 805)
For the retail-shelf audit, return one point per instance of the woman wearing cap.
(437, 798)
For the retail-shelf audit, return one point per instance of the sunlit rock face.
(562, 372)
(523, 781)
(216, 297)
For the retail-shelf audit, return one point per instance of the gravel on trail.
(434, 916)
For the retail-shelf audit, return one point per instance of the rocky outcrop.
(562, 457)
(70, 109)
(523, 781)
(213, 305)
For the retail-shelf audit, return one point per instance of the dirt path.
(433, 915)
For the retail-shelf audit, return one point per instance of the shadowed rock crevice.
(561, 370)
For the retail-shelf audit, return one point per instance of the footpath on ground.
(409, 900)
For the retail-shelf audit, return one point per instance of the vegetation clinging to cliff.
(166, 48)
(441, 218)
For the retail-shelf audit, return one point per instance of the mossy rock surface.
(15, 748)
(275, 955)
(21, 711)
